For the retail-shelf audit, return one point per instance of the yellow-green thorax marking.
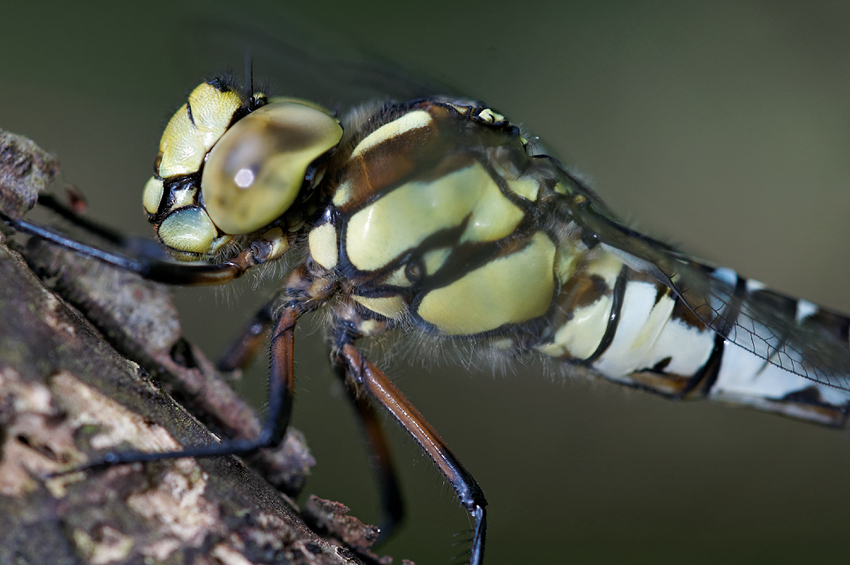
(429, 217)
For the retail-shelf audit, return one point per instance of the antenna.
(249, 72)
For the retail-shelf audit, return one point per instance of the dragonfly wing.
(792, 334)
(299, 58)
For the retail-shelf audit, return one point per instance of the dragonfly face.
(200, 200)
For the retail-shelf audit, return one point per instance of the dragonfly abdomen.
(631, 328)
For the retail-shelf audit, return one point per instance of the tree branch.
(66, 393)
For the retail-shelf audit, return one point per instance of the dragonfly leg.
(245, 347)
(374, 382)
(154, 269)
(281, 387)
(380, 457)
(132, 245)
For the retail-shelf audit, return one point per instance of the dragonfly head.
(231, 165)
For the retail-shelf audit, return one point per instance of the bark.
(69, 390)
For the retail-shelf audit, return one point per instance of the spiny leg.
(135, 246)
(154, 269)
(174, 273)
(380, 457)
(375, 382)
(245, 347)
(304, 293)
(281, 388)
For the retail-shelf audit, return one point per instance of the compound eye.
(188, 230)
(254, 173)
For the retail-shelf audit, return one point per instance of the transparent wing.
(297, 57)
(795, 335)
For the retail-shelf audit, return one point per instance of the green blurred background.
(723, 127)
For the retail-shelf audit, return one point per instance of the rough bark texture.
(67, 393)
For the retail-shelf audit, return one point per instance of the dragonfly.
(441, 219)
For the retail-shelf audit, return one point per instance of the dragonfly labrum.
(439, 218)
